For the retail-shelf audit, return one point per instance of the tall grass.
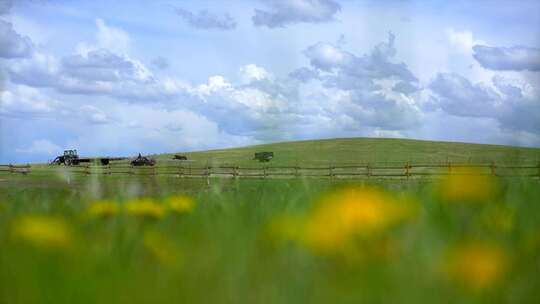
(159, 240)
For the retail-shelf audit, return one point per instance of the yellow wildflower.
(42, 231)
(352, 212)
(102, 209)
(180, 204)
(146, 208)
(467, 184)
(163, 249)
(476, 265)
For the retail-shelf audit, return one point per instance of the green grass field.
(362, 150)
(155, 239)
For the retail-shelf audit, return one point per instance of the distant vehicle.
(179, 157)
(71, 158)
(143, 161)
(264, 156)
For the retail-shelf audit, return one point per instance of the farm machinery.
(264, 156)
(179, 157)
(143, 161)
(71, 158)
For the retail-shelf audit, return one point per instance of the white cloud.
(282, 13)
(41, 146)
(461, 41)
(252, 72)
(326, 56)
(112, 38)
(26, 101)
(207, 20)
(12, 44)
(517, 58)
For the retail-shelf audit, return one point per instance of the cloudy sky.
(122, 77)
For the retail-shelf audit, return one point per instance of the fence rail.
(373, 170)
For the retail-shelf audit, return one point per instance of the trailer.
(71, 158)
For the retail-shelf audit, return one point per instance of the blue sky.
(123, 77)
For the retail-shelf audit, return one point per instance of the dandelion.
(467, 184)
(180, 204)
(163, 249)
(102, 209)
(351, 213)
(42, 231)
(476, 265)
(145, 208)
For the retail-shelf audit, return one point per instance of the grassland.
(155, 239)
(362, 150)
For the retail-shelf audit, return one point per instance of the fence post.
(235, 172)
(539, 171)
(368, 167)
(407, 173)
(331, 171)
(449, 168)
(493, 168)
(11, 170)
(264, 172)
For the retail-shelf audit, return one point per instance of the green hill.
(362, 150)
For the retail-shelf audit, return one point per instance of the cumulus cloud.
(12, 44)
(207, 20)
(517, 58)
(23, 101)
(511, 105)
(281, 13)
(462, 41)
(5, 6)
(326, 56)
(252, 72)
(41, 146)
(112, 38)
(304, 74)
(368, 82)
(27, 103)
(103, 65)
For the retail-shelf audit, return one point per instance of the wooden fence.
(373, 170)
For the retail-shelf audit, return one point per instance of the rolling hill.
(362, 150)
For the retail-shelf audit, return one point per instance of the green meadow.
(466, 238)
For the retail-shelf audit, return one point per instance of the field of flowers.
(462, 239)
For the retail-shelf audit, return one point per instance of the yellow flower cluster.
(180, 204)
(142, 207)
(476, 265)
(467, 184)
(345, 215)
(103, 209)
(44, 232)
(145, 208)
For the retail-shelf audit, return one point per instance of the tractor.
(263, 156)
(69, 158)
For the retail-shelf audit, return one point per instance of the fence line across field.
(368, 170)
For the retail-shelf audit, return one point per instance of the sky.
(126, 77)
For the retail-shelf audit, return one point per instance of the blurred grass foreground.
(467, 238)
